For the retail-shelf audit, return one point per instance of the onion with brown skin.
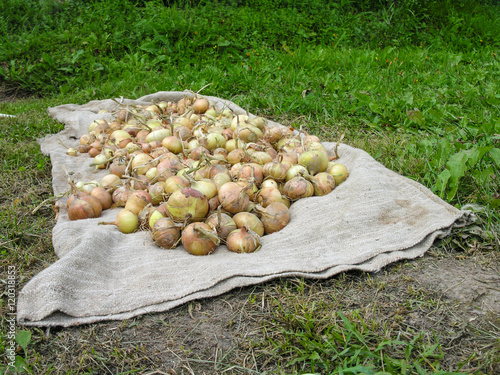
(103, 196)
(233, 197)
(166, 233)
(274, 217)
(222, 223)
(243, 240)
(297, 188)
(249, 220)
(323, 183)
(137, 201)
(199, 239)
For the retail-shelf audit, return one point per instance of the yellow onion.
(268, 195)
(233, 197)
(222, 223)
(166, 233)
(275, 170)
(137, 200)
(243, 240)
(338, 171)
(315, 161)
(103, 196)
(126, 221)
(323, 183)
(297, 188)
(249, 220)
(274, 217)
(199, 239)
(174, 183)
(187, 204)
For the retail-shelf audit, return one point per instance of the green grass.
(414, 83)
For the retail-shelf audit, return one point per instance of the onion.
(154, 217)
(249, 220)
(120, 196)
(274, 170)
(103, 196)
(297, 188)
(323, 183)
(274, 217)
(110, 181)
(220, 179)
(199, 239)
(126, 221)
(158, 135)
(314, 161)
(222, 223)
(338, 171)
(187, 204)
(174, 183)
(137, 201)
(251, 172)
(84, 207)
(243, 240)
(237, 156)
(268, 195)
(215, 140)
(166, 233)
(294, 171)
(141, 163)
(269, 182)
(118, 136)
(118, 168)
(201, 105)
(233, 197)
(173, 144)
(205, 186)
(157, 192)
(248, 134)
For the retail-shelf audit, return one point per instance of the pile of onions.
(192, 174)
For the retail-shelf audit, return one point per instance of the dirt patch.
(472, 286)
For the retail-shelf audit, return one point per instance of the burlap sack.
(374, 218)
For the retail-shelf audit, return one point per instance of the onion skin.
(199, 239)
(103, 196)
(338, 171)
(233, 197)
(222, 223)
(187, 204)
(323, 183)
(249, 220)
(166, 233)
(274, 217)
(243, 240)
(297, 188)
(315, 161)
(137, 201)
(126, 221)
(81, 209)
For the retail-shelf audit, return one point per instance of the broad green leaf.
(457, 165)
(23, 338)
(495, 155)
(444, 149)
(20, 364)
(442, 182)
(476, 153)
